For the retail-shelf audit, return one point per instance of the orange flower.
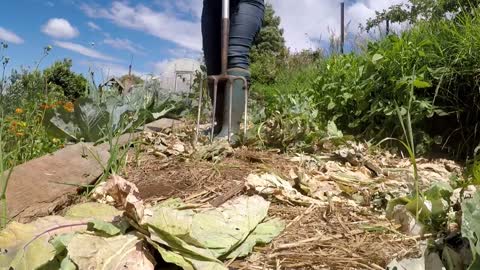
(44, 106)
(18, 111)
(69, 107)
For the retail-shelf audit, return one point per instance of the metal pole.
(388, 27)
(342, 26)
(225, 34)
(175, 87)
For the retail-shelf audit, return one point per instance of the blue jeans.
(246, 18)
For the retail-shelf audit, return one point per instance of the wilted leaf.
(172, 257)
(103, 227)
(60, 242)
(263, 234)
(27, 245)
(269, 184)
(67, 264)
(113, 253)
(93, 210)
(198, 239)
(126, 196)
(223, 229)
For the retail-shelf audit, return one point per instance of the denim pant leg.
(246, 18)
(211, 36)
(245, 23)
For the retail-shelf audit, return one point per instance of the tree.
(60, 77)
(270, 38)
(416, 10)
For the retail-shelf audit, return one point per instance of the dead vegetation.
(340, 226)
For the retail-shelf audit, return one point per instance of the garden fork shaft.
(223, 77)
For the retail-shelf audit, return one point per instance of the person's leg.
(211, 26)
(245, 23)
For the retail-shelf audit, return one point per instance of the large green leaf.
(471, 226)
(88, 121)
(438, 195)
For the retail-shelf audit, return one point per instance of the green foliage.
(421, 10)
(286, 111)
(361, 92)
(92, 120)
(60, 78)
(471, 227)
(270, 38)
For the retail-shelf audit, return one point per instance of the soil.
(337, 236)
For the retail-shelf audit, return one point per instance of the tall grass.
(5, 173)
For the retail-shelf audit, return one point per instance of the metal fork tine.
(230, 109)
(200, 101)
(215, 90)
(245, 83)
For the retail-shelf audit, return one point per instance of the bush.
(438, 61)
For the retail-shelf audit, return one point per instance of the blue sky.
(107, 35)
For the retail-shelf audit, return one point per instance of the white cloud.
(49, 3)
(162, 24)
(59, 28)
(9, 36)
(93, 26)
(307, 20)
(108, 69)
(124, 44)
(159, 67)
(188, 7)
(83, 50)
(184, 53)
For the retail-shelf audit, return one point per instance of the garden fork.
(223, 77)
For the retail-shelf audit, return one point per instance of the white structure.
(179, 75)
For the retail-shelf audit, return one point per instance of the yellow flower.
(18, 111)
(69, 107)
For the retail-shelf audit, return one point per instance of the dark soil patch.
(339, 236)
(182, 178)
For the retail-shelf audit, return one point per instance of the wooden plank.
(164, 123)
(34, 188)
(44, 185)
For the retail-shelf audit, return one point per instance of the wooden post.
(342, 27)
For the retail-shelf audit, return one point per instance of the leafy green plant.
(5, 173)
(90, 119)
(471, 227)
